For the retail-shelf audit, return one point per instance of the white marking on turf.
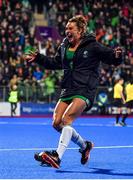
(49, 124)
(36, 149)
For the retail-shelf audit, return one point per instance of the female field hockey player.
(79, 55)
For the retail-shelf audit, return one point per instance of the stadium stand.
(111, 21)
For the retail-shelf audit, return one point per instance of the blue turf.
(20, 136)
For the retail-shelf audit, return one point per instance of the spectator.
(38, 74)
(110, 20)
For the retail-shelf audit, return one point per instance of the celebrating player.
(79, 55)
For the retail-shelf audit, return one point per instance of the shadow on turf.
(97, 171)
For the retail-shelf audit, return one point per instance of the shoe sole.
(92, 145)
(49, 160)
(88, 154)
(43, 163)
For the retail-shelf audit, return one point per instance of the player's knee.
(56, 125)
(68, 118)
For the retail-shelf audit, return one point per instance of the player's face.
(122, 82)
(72, 32)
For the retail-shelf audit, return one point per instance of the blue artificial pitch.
(111, 158)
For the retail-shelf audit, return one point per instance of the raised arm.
(108, 55)
(48, 62)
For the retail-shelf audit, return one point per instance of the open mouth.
(69, 36)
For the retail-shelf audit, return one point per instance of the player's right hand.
(30, 56)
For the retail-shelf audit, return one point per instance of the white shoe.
(118, 124)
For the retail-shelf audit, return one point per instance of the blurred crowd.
(111, 21)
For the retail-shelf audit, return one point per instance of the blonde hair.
(80, 21)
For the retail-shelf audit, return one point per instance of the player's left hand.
(118, 52)
(30, 55)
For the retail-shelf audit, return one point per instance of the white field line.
(36, 149)
(50, 124)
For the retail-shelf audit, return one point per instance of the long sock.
(117, 118)
(65, 138)
(77, 139)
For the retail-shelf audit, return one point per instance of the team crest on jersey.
(85, 54)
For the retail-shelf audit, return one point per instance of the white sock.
(77, 139)
(65, 138)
